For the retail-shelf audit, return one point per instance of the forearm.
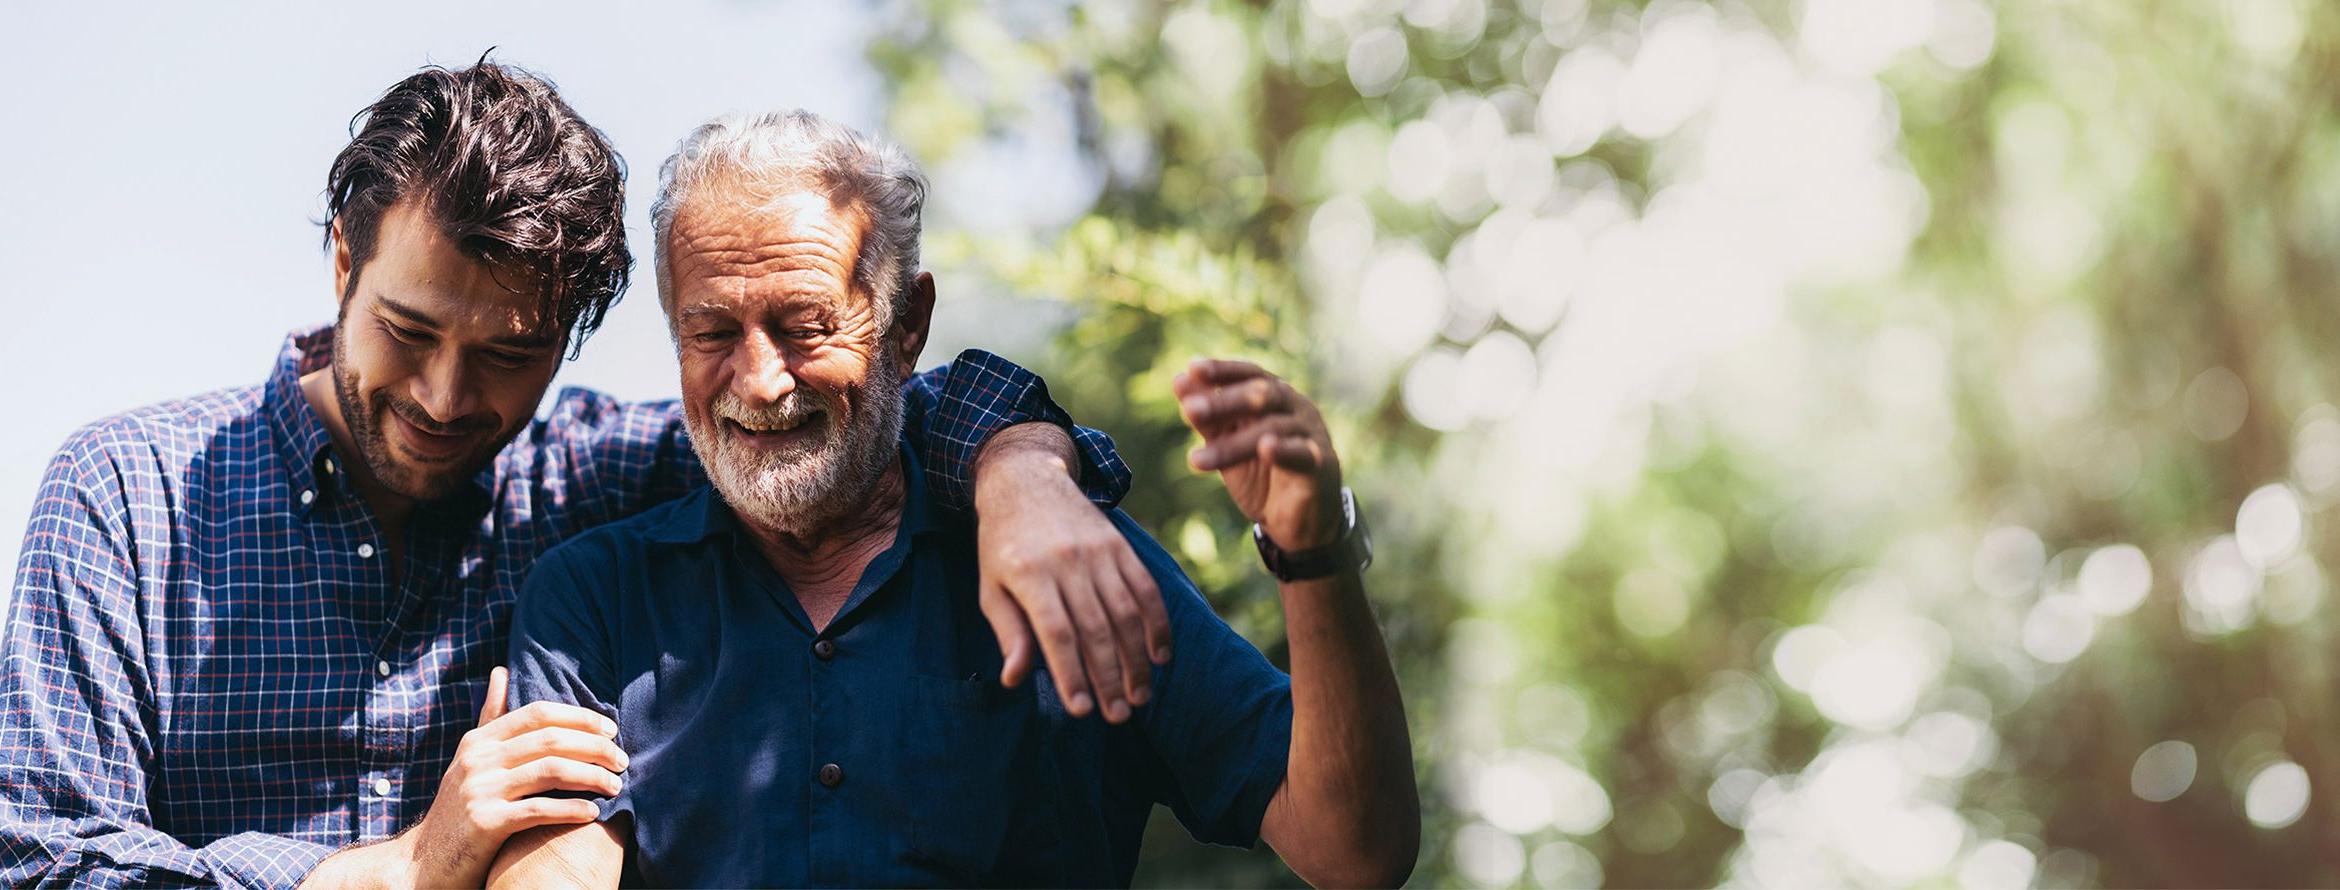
(1350, 812)
(565, 856)
(1023, 455)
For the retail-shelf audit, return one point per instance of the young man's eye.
(509, 359)
(408, 336)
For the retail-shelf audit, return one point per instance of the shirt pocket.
(977, 802)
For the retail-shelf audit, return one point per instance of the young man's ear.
(916, 318)
(341, 264)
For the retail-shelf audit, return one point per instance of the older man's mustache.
(792, 411)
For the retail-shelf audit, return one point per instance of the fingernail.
(1117, 710)
(1162, 655)
(1194, 406)
(1079, 704)
(1140, 696)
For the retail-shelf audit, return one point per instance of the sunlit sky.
(165, 169)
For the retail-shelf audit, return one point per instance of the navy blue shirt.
(880, 750)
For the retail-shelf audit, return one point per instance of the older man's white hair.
(762, 157)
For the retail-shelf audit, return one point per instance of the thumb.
(1014, 634)
(494, 706)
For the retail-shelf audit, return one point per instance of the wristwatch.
(1352, 551)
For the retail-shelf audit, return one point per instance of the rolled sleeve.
(955, 409)
(561, 645)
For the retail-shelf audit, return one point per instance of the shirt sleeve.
(74, 701)
(562, 644)
(955, 408)
(1220, 724)
(603, 459)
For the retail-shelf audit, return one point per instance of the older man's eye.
(710, 338)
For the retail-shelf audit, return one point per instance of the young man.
(797, 656)
(251, 630)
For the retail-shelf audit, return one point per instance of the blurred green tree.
(1875, 442)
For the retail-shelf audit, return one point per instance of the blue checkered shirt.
(208, 675)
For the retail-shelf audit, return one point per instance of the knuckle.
(1014, 562)
(1122, 608)
(1092, 622)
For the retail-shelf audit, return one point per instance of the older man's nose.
(763, 376)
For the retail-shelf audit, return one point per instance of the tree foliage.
(1870, 442)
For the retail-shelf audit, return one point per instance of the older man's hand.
(1056, 570)
(1269, 444)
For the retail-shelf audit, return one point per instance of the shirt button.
(824, 650)
(832, 775)
(381, 787)
(382, 668)
(365, 551)
(307, 497)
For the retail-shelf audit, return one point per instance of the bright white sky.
(164, 164)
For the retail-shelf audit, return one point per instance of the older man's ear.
(916, 318)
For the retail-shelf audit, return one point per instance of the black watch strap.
(1353, 551)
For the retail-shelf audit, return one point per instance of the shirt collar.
(305, 446)
(704, 514)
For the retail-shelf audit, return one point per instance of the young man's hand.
(485, 796)
(1056, 570)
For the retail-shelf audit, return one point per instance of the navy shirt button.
(832, 775)
(824, 650)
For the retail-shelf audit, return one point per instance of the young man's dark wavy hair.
(508, 172)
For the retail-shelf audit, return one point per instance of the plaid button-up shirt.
(208, 674)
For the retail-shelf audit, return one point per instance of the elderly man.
(252, 629)
(795, 657)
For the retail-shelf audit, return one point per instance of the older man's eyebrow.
(702, 311)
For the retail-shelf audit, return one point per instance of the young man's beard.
(365, 419)
(795, 492)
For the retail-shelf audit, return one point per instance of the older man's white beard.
(793, 492)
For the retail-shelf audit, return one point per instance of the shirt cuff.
(255, 860)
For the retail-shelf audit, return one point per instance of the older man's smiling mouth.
(765, 434)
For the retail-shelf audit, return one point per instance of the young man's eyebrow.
(417, 317)
(405, 312)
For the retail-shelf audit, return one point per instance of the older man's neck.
(822, 563)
